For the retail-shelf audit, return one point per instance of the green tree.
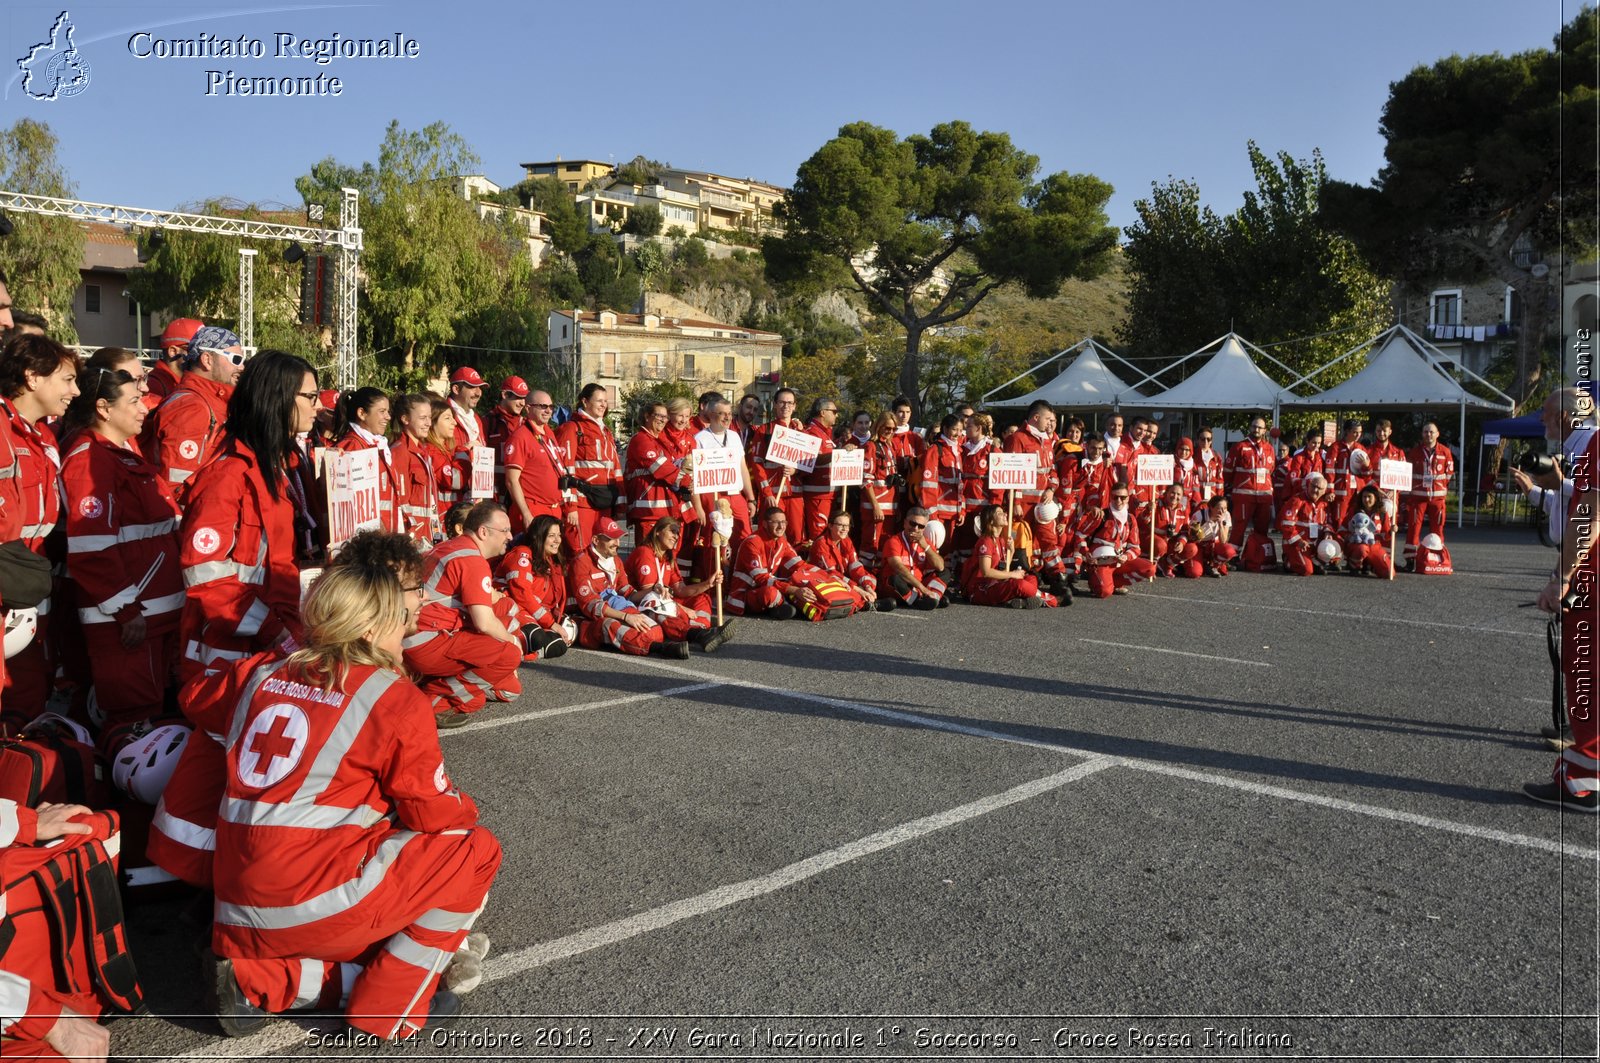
(566, 225)
(640, 171)
(1271, 271)
(927, 227)
(1482, 152)
(643, 221)
(41, 257)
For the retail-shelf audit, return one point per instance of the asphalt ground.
(1260, 815)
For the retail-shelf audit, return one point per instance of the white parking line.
(1347, 616)
(1177, 653)
(540, 714)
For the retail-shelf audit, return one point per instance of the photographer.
(1568, 418)
(1571, 593)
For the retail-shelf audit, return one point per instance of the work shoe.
(1020, 603)
(678, 651)
(782, 611)
(1121, 590)
(944, 602)
(465, 972)
(444, 721)
(925, 603)
(224, 999)
(1553, 793)
(711, 639)
(1031, 603)
(884, 605)
(443, 1010)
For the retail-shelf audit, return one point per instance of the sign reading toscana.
(319, 51)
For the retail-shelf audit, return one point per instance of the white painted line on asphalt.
(936, 724)
(540, 714)
(1177, 653)
(525, 959)
(1377, 811)
(1347, 616)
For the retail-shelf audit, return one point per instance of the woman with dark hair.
(683, 609)
(592, 457)
(38, 379)
(533, 573)
(450, 475)
(239, 527)
(418, 501)
(122, 551)
(987, 577)
(359, 423)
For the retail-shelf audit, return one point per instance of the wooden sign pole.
(1394, 531)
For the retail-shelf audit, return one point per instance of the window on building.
(766, 366)
(131, 305)
(611, 395)
(608, 363)
(653, 365)
(690, 370)
(91, 298)
(572, 186)
(730, 368)
(572, 168)
(1444, 307)
(1513, 306)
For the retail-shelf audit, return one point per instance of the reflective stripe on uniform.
(128, 533)
(169, 603)
(336, 901)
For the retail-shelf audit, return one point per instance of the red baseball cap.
(180, 331)
(608, 527)
(467, 375)
(329, 398)
(515, 385)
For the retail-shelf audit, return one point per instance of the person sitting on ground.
(533, 575)
(1364, 538)
(913, 571)
(1210, 532)
(1114, 563)
(1304, 524)
(605, 601)
(349, 867)
(764, 570)
(987, 578)
(470, 639)
(835, 554)
(1170, 546)
(685, 610)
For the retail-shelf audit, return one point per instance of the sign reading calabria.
(310, 53)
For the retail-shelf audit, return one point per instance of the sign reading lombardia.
(291, 47)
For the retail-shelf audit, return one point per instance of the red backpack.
(1260, 553)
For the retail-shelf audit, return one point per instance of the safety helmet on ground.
(54, 723)
(143, 766)
(1328, 551)
(21, 625)
(1432, 541)
(1103, 554)
(659, 604)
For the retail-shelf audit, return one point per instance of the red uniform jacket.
(183, 435)
(539, 463)
(458, 578)
(769, 477)
(419, 497)
(591, 454)
(1431, 471)
(237, 549)
(590, 577)
(939, 482)
(915, 557)
(449, 479)
(1248, 469)
(540, 596)
(764, 562)
(1342, 479)
(122, 536)
(162, 381)
(993, 547)
(839, 557)
(878, 468)
(470, 431)
(391, 480)
(648, 570)
(1304, 522)
(1212, 481)
(1119, 534)
(975, 493)
(816, 482)
(1028, 440)
(652, 471)
(33, 474)
(498, 428)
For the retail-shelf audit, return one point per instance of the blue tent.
(1528, 426)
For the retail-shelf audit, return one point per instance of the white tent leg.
(1461, 471)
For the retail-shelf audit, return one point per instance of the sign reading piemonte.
(1013, 472)
(848, 469)
(797, 450)
(482, 473)
(1154, 470)
(1394, 475)
(351, 482)
(718, 471)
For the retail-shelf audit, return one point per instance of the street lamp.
(138, 324)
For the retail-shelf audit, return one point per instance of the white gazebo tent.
(1406, 372)
(1229, 380)
(1087, 381)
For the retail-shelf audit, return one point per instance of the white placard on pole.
(1491, 439)
(848, 469)
(1394, 475)
(1154, 470)
(798, 450)
(718, 471)
(1013, 472)
(482, 473)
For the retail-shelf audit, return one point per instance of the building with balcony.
(621, 351)
(610, 207)
(574, 173)
(475, 187)
(728, 202)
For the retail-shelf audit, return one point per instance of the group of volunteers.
(274, 710)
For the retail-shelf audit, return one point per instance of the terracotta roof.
(108, 247)
(637, 321)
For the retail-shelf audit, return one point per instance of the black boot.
(712, 638)
(678, 651)
(782, 611)
(541, 645)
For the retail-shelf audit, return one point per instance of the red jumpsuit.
(839, 557)
(879, 468)
(184, 433)
(1171, 550)
(1119, 534)
(915, 557)
(461, 667)
(653, 473)
(122, 552)
(31, 472)
(591, 454)
(418, 498)
(1029, 440)
(391, 479)
(341, 839)
(648, 572)
(1300, 465)
(938, 483)
(775, 484)
(1343, 481)
(1248, 473)
(1304, 523)
(1431, 472)
(1192, 478)
(541, 597)
(763, 572)
(536, 459)
(593, 582)
(815, 489)
(981, 591)
(1212, 480)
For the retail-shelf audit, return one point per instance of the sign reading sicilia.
(318, 51)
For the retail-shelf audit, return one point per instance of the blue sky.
(1133, 92)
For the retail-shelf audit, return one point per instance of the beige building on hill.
(623, 350)
(574, 173)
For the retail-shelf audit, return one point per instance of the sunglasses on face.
(917, 527)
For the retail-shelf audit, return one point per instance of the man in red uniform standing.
(183, 435)
(1347, 473)
(1247, 470)
(1432, 467)
(1210, 464)
(816, 488)
(466, 389)
(1037, 437)
(174, 343)
(591, 455)
(535, 466)
(504, 420)
(775, 484)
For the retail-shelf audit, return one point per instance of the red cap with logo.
(467, 375)
(608, 527)
(515, 385)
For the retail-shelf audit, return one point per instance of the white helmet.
(1328, 551)
(1432, 541)
(144, 765)
(1360, 462)
(570, 627)
(21, 624)
(55, 723)
(934, 534)
(659, 604)
(1103, 554)
(1048, 511)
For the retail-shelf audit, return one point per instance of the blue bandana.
(213, 336)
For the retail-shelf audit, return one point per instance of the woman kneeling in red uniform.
(986, 578)
(652, 568)
(348, 864)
